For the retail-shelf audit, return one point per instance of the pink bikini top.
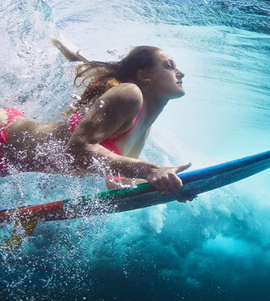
(76, 118)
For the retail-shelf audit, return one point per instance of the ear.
(143, 76)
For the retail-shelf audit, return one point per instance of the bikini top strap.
(136, 121)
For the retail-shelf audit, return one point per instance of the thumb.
(182, 167)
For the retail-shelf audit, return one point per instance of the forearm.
(94, 158)
(130, 167)
(117, 183)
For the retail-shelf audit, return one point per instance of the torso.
(131, 145)
(39, 137)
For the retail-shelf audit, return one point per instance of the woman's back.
(26, 140)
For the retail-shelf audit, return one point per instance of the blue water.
(214, 248)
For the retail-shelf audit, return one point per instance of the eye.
(169, 66)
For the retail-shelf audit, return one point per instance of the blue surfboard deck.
(144, 195)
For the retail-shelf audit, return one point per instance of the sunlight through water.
(216, 247)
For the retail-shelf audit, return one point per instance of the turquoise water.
(214, 248)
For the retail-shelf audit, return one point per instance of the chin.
(179, 94)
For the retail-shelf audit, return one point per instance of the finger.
(175, 183)
(182, 167)
(162, 186)
(192, 197)
(169, 185)
(183, 198)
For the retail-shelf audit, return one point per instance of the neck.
(153, 106)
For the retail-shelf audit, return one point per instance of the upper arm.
(111, 115)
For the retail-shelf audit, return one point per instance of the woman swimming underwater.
(105, 131)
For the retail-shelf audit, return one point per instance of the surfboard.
(144, 195)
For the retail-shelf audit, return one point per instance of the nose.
(179, 74)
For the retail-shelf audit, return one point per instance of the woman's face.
(166, 79)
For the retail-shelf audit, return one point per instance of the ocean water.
(216, 247)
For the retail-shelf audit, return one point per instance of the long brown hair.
(98, 77)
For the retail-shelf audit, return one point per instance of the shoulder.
(127, 96)
(129, 88)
